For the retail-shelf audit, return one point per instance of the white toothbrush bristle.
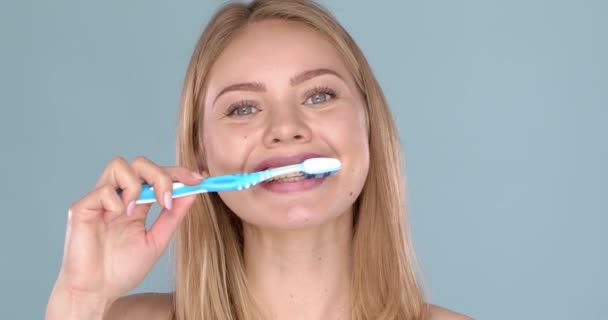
(321, 165)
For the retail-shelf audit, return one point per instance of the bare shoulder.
(149, 306)
(439, 313)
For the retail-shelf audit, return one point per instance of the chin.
(294, 218)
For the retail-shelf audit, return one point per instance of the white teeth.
(288, 177)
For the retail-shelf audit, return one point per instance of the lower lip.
(292, 186)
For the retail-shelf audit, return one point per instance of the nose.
(286, 125)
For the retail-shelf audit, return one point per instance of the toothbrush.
(311, 168)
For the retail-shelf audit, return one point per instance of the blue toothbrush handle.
(230, 182)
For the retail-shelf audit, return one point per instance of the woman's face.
(277, 95)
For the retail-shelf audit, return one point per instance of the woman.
(269, 84)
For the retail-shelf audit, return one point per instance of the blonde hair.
(210, 281)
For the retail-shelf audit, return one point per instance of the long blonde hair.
(210, 282)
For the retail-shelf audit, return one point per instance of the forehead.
(272, 51)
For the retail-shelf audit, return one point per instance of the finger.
(163, 228)
(140, 212)
(156, 177)
(102, 202)
(180, 174)
(162, 178)
(185, 175)
(121, 176)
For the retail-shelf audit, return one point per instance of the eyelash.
(235, 106)
(321, 90)
(248, 103)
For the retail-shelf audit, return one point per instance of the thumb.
(165, 224)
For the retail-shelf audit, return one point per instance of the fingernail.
(197, 175)
(168, 200)
(130, 208)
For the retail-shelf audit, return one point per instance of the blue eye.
(242, 108)
(320, 95)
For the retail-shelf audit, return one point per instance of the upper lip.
(279, 161)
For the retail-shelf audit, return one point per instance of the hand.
(108, 250)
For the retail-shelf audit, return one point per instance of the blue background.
(501, 106)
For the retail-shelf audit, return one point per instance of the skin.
(297, 245)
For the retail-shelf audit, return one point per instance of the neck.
(301, 274)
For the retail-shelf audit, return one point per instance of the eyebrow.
(295, 80)
(307, 75)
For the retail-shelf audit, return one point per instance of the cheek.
(351, 137)
(347, 128)
(226, 149)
